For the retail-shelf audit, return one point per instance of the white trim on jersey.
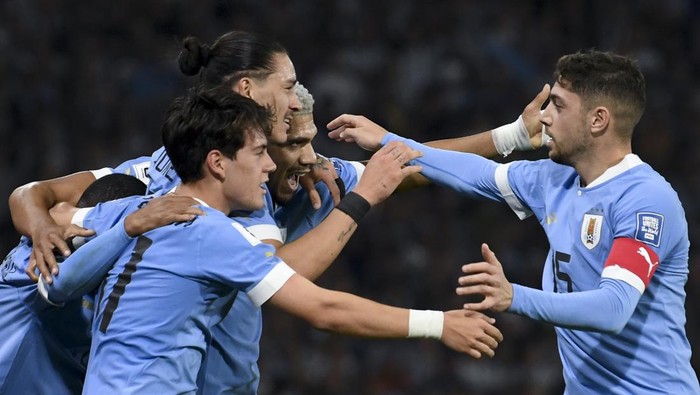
(99, 173)
(79, 216)
(359, 168)
(630, 161)
(616, 272)
(515, 204)
(266, 232)
(269, 285)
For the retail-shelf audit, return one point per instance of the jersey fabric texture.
(231, 366)
(37, 336)
(646, 350)
(154, 311)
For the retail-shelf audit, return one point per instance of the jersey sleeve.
(349, 173)
(84, 269)
(606, 309)
(649, 226)
(238, 259)
(105, 215)
(467, 173)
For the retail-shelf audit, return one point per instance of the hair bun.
(204, 51)
(194, 56)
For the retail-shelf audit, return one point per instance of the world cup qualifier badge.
(649, 227)
(590, 229)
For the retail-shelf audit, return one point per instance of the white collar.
(630, 161)
(200, 201)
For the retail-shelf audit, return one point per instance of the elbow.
(613, 327)
(326, 317)
(611, 324)
(16, 195)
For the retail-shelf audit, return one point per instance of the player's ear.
(244, 87)
(214, 164)
(599, 119)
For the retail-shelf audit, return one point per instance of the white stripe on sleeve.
(507, 192)
(269, 285)
(266, 232)
(616, 272)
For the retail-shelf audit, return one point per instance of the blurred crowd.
(84, 85)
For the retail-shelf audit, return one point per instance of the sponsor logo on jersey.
(590, 230)
(641, 251)
(649, 228)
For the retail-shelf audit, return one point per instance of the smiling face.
(565, 122)
(294, 158)
(246, 173)
(276, 90)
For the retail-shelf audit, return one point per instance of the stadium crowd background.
(84, 85)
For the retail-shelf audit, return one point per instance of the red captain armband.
(632, 262)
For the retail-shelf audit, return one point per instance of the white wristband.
(425, 323)
(506, 138)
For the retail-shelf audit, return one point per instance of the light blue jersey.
(37, 336)
(164, 293)
(613, 282)
(232, 366)
(135, 167)
(232, 359)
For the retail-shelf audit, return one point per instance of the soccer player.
(258, 68)
(172, 284)
(232, 358)
(618, 260)
(51, 340)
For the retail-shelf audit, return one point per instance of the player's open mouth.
(293, 178)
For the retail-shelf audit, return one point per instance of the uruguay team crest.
(590, 230)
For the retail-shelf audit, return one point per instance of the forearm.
(464, 172)
(30, 203)
(313, 253)
(479, 144)
(348, 314)
(83, 270)
(606, 309)
(29, 207)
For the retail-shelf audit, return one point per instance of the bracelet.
(506, 138)
(354, 205)
(425, 323)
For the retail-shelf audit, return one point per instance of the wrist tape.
(512, 136)
(425, 323)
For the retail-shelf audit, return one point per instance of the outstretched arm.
(473, 334)
(605, 309)
(523, 134)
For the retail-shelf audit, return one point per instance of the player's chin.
(283, 197)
